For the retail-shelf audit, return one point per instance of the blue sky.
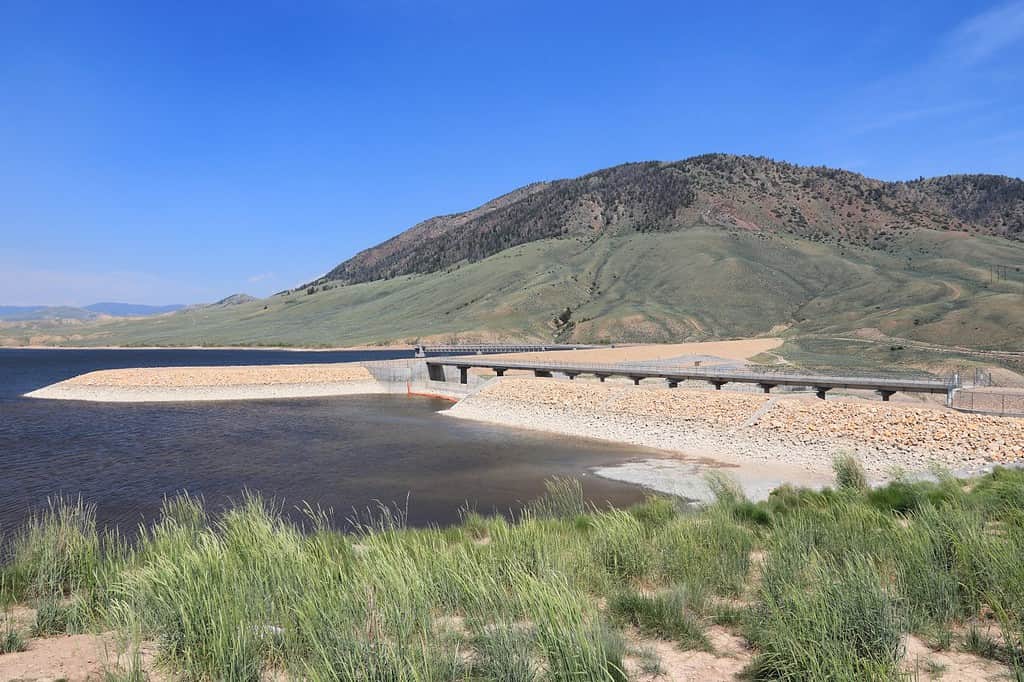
(179, 152)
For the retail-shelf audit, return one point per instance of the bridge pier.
(822, 390)
(673, 383)
(602, 377)
(767, 388)
(886, 395)
(463, 374)
(572, 375)
(718, 384)
(542, 373)
(500, 371)
(637, 380)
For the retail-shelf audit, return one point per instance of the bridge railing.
(718, 376)
(481, 348)
(658, 368)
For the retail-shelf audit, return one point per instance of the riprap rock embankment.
(745, 427)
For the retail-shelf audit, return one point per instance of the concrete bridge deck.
(822, 384)
(481, 348)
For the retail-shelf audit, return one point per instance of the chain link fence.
(990, 400)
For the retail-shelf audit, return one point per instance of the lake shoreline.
(228, 382)
(189, 394)
(762, 441)
(752, 433)
(294, 349)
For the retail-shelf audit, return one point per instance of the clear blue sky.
(181, 151)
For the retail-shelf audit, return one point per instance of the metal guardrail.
(480, 348)
(719, 377)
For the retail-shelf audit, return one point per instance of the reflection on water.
(344, 453)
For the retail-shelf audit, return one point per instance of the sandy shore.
(771, 439)
(255, 382)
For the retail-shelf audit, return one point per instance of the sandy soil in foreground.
(74, 658)
(94, 657)
(91, 657)
(765, 440)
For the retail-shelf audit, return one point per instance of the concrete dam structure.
(821, 384)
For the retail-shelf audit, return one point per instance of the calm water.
(343, 453)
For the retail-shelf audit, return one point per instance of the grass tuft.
(670, 615)
(825, 619)
(620, 545)
(562, 499)
(849, 473)
(649, 660)
(52, 618)
(11, 641)
(656, 511)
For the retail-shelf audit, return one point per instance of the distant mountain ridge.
(712, 247)
(89, 312)
(717, 190)
(132, 309)
(19, 313)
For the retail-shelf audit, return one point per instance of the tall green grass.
(826, 619)
(237, 595)
(57, 552)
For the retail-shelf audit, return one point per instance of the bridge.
(481, 348)
(821, 384)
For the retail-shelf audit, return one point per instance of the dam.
(821, 384)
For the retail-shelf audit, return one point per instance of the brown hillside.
(749, 193)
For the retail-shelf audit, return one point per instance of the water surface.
(345, 453)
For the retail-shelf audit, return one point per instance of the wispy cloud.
(962, 77)
(981, 36)
(262, 277)
(895, 118)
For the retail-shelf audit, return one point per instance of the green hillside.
(756, 194)
(851, 270)
(701, 283)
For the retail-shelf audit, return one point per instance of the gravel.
(798, 431)
(175, 384)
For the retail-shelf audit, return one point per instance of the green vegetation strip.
(823, 585)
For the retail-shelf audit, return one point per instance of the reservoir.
(346, 453)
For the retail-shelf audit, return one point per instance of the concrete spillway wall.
(411, 377)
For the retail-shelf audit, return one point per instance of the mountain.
(131, 309)
(89, 312)
(18, 313)
(234, 299)
(711, 247)
(730, 192)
